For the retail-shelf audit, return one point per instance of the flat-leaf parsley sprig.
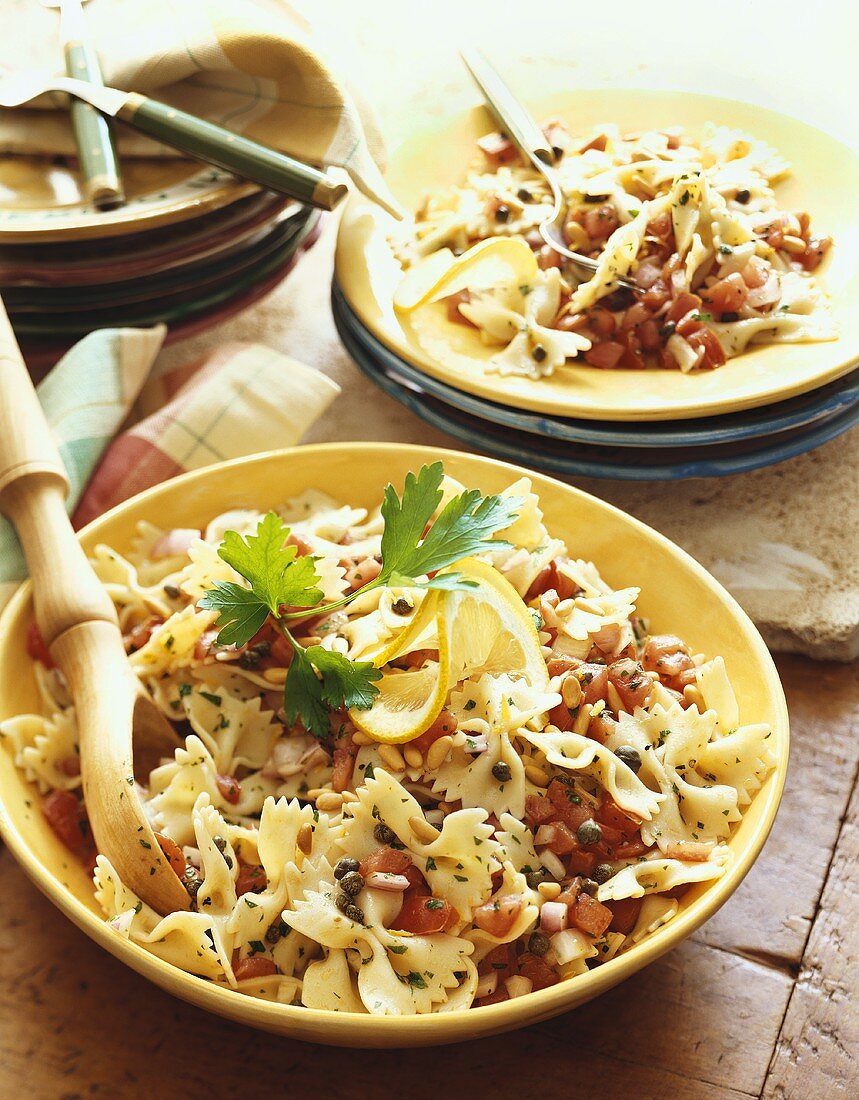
(284, 586)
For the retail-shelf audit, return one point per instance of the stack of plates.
(191, 246)
(760, 408)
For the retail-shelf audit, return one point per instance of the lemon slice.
(490, 629)
(486, 629)
(408, 701)
(499, 261)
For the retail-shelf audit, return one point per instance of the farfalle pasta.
(577, 777)
(693, 223)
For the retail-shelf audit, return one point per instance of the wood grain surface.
(758, 1003)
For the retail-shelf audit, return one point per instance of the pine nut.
(793, 244)
(315, 792)
(571, 691)
(583, 719)
(549, 890)
(614, 699)
(392, 756)
(536, 775)
(349, 796)
(597, 708)
(422, 829)
(275, 675)
(693, 694)
(329, 802)
(413, 757)
(438, 752)
(305, 838)
(359, 738)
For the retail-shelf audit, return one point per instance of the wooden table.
(757, 1003)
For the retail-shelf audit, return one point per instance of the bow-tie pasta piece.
(171, 645)
(235, 731)
(657, 874)
(122, 583)
(46, 749)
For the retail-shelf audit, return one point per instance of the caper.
(352, 883)
(383, 834)
(538, 943)
(502, 772)
(630, 756)
(220, 843)
(276, 931)
(250, 659)
(539, 353)
(524, 194)
(589, 832)
(191, 880)
(743, 196)
(667, 329)
(344, 866)
(171, 591)
(502, 212)
(730, 315)
(402, 606)
(589, 886)
(602, 873)
(534, 878)
(348, 908)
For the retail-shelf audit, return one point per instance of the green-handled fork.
(195, 136)
(99, 164)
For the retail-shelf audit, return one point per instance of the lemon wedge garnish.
(484, 629)
(499, 261)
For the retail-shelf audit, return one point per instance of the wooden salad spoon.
(78, 623)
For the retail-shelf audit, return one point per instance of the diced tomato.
(705, 338)
(538, 971)
(173, 853)
(71, 765)
(552, 579)
(656, 296)
(501, 960)
(388, 860)
(632, 357)
(362, 573)
(629, 848)
(280, 650)
(569, 806)
(609, 813)
(230, 788)
(500, 995)
(630, 681)
(443, 725)
(684, 303)
(139, 635)
(598, 142)
(251, 879)
(601, 726)
(814, 253)
(648, 334)
(601, 321)
(601, 222)
(557, 666)
(36, 648)
(569, 895)
(590, 915)
(605, 356)
(637, 314)
(728, 295)
(649, 272)
(498, 916)
(538, 810)
(594, 680)
(68, 818)
(662, 226)
(563, 839)
(562, 717)
(254, 966)
(417, 882)
(423, 916)
(497, 149)
(302, 546)
(624, 914)
(582, 862)
(548, 258)
(344, 765)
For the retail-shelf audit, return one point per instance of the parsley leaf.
(340, 682)
(465, 526)
(241, 612)
(275, 574)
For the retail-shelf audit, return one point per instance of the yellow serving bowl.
(677, 595)
(824, 181)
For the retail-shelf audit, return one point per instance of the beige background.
(783, 539)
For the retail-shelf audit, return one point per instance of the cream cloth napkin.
(254, 68)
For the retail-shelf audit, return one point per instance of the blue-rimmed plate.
(581, 460)
(809, 409)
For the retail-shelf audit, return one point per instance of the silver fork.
(527, 136)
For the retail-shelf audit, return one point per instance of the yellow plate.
(825, 182)
(678, 595)
(41, 200)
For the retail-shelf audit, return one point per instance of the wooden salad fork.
(526, 135)
(78, 623)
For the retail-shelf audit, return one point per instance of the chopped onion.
(553, 865)
(175, 542)
(570, 944)
(122, 922)
(487, 985)
(554, 916)
(192, 855)
(381, 880)
(518, 985)
(545, 834)
(475, 743)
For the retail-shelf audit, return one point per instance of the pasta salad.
(694, 224)
(430, 759)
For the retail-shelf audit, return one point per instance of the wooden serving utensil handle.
(33, 487)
